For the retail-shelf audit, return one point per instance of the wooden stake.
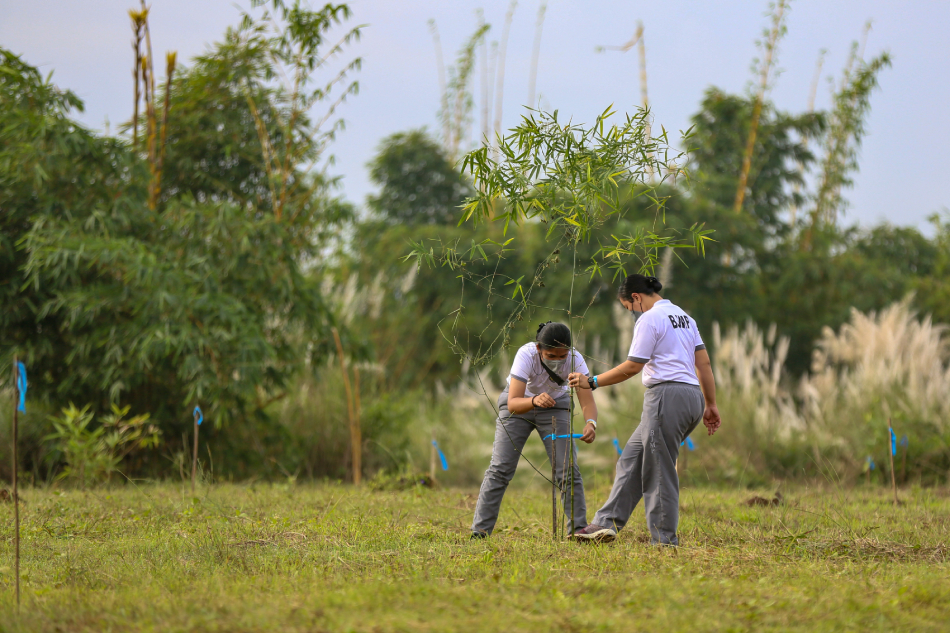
(194, 457)
(616, 460)
(554, 478)
(432, 461)
(681, 463)
(356, 441)
(890, 453)
(904, 464)
(16, 490)
(358, 424)
(569, 474)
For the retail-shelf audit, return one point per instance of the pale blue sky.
(690, 46)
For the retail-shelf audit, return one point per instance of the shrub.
(92, 453)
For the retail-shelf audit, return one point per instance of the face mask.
(555, 365)
(637, 313)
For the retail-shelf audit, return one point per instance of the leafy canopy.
(205, 299)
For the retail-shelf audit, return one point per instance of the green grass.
(333, 558)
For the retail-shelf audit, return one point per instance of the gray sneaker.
(595, 534)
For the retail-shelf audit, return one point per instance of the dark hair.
(639, 284)
(553, 335)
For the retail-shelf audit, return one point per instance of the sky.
(690, 46)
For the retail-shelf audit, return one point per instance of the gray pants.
(511, 433)
(647, 466)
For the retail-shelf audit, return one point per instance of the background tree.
(203, 299)
(417, 183)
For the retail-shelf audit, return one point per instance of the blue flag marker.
(445, 464)
(617, 446)
(904, 441)
(563, 437)
(893, 442)
(199, 417)
(689, 443)
(21, 385)
(871, 464)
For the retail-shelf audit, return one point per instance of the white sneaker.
(594, 533)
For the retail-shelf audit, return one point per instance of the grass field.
(335, 558)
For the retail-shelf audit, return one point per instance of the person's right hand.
(578, 380)
(711, 418)
(544, 401)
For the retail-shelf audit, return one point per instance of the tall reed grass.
(878, 366)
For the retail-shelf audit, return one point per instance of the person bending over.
(537, 398)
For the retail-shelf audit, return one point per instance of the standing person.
(681, 391)
(537, 391)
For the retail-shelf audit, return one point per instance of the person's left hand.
(589, 433)
(711, 418)
(578, 380)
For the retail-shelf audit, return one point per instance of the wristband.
(533, 405)
(594, 422)
(595, 382)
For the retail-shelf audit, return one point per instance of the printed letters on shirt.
(679, 321)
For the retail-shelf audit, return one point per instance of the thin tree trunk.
(500, 81)
(813, 92)
(137, 46)
(355, 435)
(766, 69)
(485, 91)
(536, 53)
(170, 73)
(644, 98)
(443, 86)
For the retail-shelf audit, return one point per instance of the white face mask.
(555, 365)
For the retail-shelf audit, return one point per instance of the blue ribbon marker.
(564, 437)
(904, 441)
(893, 441)
(21, 385)
(871, 464)
(689, 443)
(197, 413)
(445, 464)
(617, 446)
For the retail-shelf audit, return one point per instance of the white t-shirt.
(666, 339)
(527, 368)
